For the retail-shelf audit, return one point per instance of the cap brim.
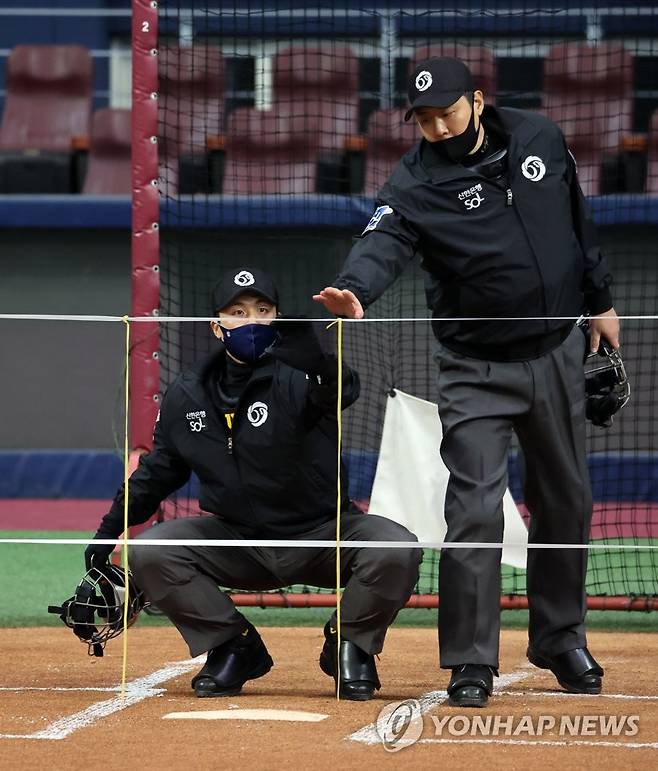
(440, 101)
(246, 290)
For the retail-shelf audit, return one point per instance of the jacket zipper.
(229, 443)
(510, 199)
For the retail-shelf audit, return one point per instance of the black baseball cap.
(240, 281)
(438, 82)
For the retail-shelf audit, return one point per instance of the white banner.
(411, 479)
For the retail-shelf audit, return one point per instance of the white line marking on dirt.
(113, 689)
(563, 694)
(248, 714)
(368, 734)
(136, 691)
(547, 743)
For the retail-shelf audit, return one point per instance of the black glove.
(98, 554)
(298, 346)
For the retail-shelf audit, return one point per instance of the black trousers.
(480, 404)
(183, 581)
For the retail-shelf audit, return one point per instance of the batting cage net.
(276, 126)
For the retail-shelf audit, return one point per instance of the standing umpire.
(490, 199)
(256, 421)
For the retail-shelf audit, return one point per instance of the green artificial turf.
(34, 576)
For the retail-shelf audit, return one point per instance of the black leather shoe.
(470, 685)
(358, 673)
(576, 670)
(230, 665)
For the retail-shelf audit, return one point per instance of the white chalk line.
(565, 694)
(136, 691)
(113, 689)
(368, 734)
(547, 743)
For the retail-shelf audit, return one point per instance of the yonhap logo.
(399, 724)
(533, 168)
(257, 413)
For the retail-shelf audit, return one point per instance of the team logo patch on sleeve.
(376, 218)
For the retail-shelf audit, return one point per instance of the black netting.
(279, 123)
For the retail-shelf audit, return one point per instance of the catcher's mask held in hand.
(607, 388)
(96, 610)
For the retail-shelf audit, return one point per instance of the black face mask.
(457, 148)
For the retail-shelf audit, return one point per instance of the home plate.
(248, 714)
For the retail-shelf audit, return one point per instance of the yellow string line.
(124, 548)
(339, 421)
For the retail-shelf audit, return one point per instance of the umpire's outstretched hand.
(340, 302)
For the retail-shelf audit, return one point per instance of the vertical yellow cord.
(126, 598)
(339, 421)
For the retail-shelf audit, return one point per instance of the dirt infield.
(78, 727)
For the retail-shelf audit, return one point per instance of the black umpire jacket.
(272, 474)
(519, 246)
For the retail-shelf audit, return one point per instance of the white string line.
(176, 319)
(298, 544)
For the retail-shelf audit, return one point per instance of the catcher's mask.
(95, 613)
(607, 388)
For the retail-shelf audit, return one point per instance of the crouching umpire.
(256, 422)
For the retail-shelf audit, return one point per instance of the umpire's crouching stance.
(256, 422)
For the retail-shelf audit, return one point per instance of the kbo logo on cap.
(244, 278)
(423, 80)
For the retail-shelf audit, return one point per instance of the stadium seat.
(588, 91)
(389, 137)
(48, 104)
(48, 97)
(191, 109)
(480, 60)
(108, 165)
(319, 86)
(652, 155)
(267, 154)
